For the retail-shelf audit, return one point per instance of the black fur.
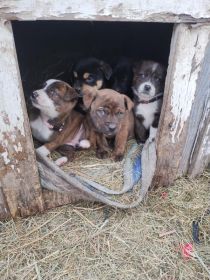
(122, 76)
(97, 69)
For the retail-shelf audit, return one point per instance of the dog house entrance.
(49, 49)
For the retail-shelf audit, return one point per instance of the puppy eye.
(119, 114)
(101, 112)
(90, 79)
(157, 79)
(142, 75)
(53, 93)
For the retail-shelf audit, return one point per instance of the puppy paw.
(61, 161)
(102, 154)
(152, 134)
(118, 157)
(84, 144)
(151, 139)
(43, 151)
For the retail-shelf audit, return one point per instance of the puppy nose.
(147, 87)
(35, 94)
(112, 126)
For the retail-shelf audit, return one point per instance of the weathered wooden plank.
(113, 10)
(18, 171)
(4, 209)
(201, 154)
(188, 47)
(196, 153)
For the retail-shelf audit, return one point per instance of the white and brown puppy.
(56, 123)
(148, 87)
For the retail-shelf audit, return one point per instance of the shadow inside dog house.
(48, 49)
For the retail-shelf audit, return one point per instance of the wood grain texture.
(174, 144)
(118, 10)
(196, 153)
(20, 190)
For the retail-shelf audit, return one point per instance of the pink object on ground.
(186, 250)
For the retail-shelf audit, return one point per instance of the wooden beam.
(196, 153)
(200, 158)
(182, 101)
(20, 189)
(118, 10)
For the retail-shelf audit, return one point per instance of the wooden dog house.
(183, 141)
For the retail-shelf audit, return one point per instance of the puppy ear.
(128, 103)
(106, 68)
(89, 95)
(70, 94)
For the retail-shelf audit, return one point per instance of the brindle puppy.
(56, 123)
(110, 118)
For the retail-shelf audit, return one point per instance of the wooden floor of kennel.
(183, 142)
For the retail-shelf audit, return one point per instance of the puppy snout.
(112, 126)
(147, 88)
(35, 94)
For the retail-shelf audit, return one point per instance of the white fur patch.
(152, 133)
(61, 161)
(50, 82)
(141, 89)
(45, 104)
(147, 111)
(154, 67)
(43, 151)
(85, 144)
(40, 131)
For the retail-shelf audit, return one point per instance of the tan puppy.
(110, 119)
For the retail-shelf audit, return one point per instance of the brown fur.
(67, 123)
(72, 125)
(108, 109)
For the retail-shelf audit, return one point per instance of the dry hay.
(92, 241)
(106, 172)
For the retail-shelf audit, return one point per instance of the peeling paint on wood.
(20, 189)
(110, 10)
(187, 68)
(187, 54)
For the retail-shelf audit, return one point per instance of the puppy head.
(55, 98)
(122, 76)
(108, 109)
(148, 80)
(91, 72)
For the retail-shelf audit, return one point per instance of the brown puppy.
(110, 118)
(56, 123)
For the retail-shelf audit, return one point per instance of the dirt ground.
(94, 242)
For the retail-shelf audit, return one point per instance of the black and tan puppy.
(110, 118)
(92, 72)
(122, 76)
(148, 87)
(55, 122)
